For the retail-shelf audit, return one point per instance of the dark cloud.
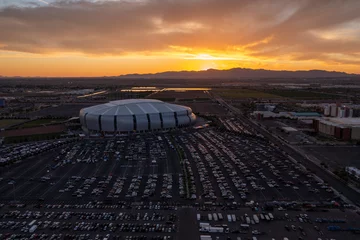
(122, 27)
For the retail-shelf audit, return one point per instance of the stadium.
(135, 115)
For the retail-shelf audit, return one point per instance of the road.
(339, 186)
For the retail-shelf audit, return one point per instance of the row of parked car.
(106, 216)
(231, 166)
(58, 236)
(16, 152)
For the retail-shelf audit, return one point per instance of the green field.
(8, 122)
(301, 94)
(242, 93)
(40, 122)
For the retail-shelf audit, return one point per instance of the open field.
(65, 110)
(336, 156)
(33, 131)
(30, 138)
(240, 93)
(9, 122)
(39, 122)
(301, 94)
(207, 108)
(181, 95)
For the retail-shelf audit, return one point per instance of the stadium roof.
(134, 106)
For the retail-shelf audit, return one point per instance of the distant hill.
(241, 73)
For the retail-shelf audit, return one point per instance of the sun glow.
(208, 65)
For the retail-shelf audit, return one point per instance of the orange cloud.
(178, 34)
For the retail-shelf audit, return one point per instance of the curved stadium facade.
(138, 115)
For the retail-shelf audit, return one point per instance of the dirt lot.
(9, 122)
(207, 108)
(33, 131)
(39, 123)
(66, 110)
(336, 156)
(240, 93)
(180, 95)
(302, 94)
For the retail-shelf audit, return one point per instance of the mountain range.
(241, 73)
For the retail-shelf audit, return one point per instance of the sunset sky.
(114, 37)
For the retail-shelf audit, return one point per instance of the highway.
(339, 186)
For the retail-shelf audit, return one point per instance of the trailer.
(229, 218)
(233, 217)
(215, 217)
(33, 228)
(256, 219)
(220, 216)
(216, 229)
(209, 217)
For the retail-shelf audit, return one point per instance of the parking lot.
(201, 166)
(246, 224)
(152, 186)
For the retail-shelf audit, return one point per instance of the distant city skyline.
(115, 37)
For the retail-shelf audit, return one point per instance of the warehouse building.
(135, 115)
(341, 128)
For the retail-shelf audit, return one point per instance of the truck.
(33, 228)
(32, 223)
(256, 219)
(209, 216)
(205, 237)
(198, 217)
(220, 216)
(204, 225)
(216, 229)
(229, 218)
(215, 217)
(233, 217)
(244, 226)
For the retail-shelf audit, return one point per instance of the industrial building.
(135, 115)
(341, 128)
(337, 110)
